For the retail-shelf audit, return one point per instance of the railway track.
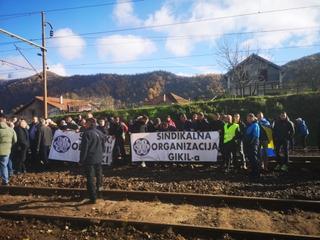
(171, 197)
(183, 229)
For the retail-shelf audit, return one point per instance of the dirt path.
(298, 222)
(298, 184)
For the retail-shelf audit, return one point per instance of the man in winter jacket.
(283, 133)
(239, 141)
(44, 140)
(251, 145)
(217, 124)
(102, 126)
(33, 131)
(230, 133)
(21, 147)
(118, 129)
(7, 138)
(302, 132)
(202, 123)
(264, 140)
(91, 155)
(184, 124)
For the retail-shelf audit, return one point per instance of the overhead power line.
(200, 20)
(179, 37)
(189, 56)
(139, 67)
(26, 59)
(150, 67)
(14, 64)
(23, 14)
(203, 20)
(190, 21)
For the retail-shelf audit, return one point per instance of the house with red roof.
(56, 106)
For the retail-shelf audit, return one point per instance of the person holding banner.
(203, 124)
(44, 140)
(184, 124)
(217, 124)
(118, 129)
(91, 154)
(102, 126)
(194, 122)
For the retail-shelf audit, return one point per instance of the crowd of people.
(25, 147)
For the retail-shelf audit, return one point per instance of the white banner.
(66, 147)
(175, 146)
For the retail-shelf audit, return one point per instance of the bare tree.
(230, 56)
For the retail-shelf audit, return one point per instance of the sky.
(135, 36)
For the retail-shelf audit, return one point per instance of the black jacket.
(44, 136)
(72, 125)
(168, 129)
(202, 125)
(92, 147)
(216, 125)
(104, 129)
(22, 137)
(116, 129)
(283, 130)
(33, 131)
(139, 127)
(184, 126)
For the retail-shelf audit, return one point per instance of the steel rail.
(183, 229)
(172, 197)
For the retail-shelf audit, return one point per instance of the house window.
(263, 75)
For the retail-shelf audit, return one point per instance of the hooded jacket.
(8, 137)
(302, 128)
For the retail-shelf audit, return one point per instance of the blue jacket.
(252, 133)
(264, 122)
(302, 128)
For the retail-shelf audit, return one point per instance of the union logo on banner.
(141, 147)
(62, 144)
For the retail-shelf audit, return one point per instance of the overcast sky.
(180, 36)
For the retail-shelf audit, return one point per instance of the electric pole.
(44, 67)
(43, 50)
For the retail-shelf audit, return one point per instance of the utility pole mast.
(44, 67)
(44, 51)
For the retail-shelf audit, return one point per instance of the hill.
(303, 72)
(123, 90)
